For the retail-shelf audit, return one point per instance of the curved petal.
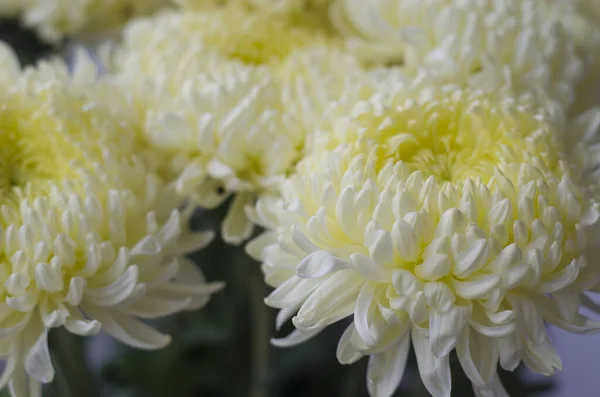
(255, 247)
(237, 227)
(320, 263)
(346, 353)
(333, 300)
(435, 372)
(386, 369)
(295, 338)
(127, 329)
(478, 356)
(114, 293)
(445, 328)
(37, 359)
(292, 292)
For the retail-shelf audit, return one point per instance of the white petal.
(76, 291)
(560, 280)
(150, 307)
(529, 318)
(37, 360)
(83, 327)
(237, 227)
(434, 267)
(114, 293)
(193, 242)
(255, 247)
(17, 327)
(296, 337)
(320, 263)
(370, 269)
(476, 288)
(435, 372)
(333, 300)
(472, 259)
(284, 315)
(445, 328)
(127, 329)
(346, 353)
(542, 358)
(148, 246)
(386, 369)
(364, 301)
(292, 292)
(477, 356)
(49, 277)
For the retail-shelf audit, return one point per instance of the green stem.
(73, 378)
(261, 332)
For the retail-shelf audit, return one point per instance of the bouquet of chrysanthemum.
(396, 175)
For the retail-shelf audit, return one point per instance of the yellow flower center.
(258, 38)
(455, 139)
(30, 155)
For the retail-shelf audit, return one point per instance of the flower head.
(89, 235)
(455, 220)
(487, 44)
(229, 102)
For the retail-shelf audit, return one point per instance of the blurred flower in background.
(418, 173)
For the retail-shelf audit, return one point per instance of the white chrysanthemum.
(90, 238)
(454, 220)
(487, 44)
(55, 19)
(227, 96)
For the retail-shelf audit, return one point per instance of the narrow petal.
(255, 247)
(37, 360)
(319, 263)
(295, 338)
(292, 292)
(346, 353)
(435, 372)
(237, 227)
(127, 329)
(116, 292)
(363, 305)
(333, 300)
(386, 369)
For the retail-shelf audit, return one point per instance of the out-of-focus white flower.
(486, 44)
(55, 19)
(91, 238)
(228, 95)
(451, 218)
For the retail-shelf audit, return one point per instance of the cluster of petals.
(90, 237)
(487, 44)
(456, 220)
(227, 95)
(56, 19)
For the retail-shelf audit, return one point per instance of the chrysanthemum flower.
(487, 44)
(455, 220)
(55, 19)
(228, 95)
(90, 238)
